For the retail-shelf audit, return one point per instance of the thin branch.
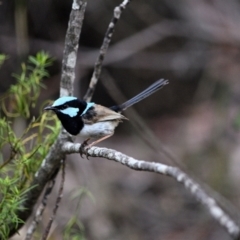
(38, 216)
(190, 185)
(103, 50)
(59, 198)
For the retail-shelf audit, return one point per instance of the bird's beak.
(49, 108)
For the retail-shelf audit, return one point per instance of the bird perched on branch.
(93, 121)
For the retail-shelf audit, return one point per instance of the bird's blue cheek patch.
(89, 105)
(70, 111)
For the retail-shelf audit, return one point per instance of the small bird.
(93, 121)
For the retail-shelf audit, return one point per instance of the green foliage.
(21, 156)
(24, 94)
(74, 228)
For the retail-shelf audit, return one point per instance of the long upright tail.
(144, 94)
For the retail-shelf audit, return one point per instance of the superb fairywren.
(94, 121)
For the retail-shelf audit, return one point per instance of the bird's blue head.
(69, 111)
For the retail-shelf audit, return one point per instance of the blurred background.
(194, 44)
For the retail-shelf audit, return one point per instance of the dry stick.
(54, 157)
(194, 188)
(59, 197)
(103, 50)
(41, 208)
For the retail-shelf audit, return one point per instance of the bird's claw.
(86, 149)
(83, 148)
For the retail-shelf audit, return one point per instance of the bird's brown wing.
(100, 114)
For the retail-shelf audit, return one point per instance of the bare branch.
(59, 198)
(103, 50)
(190, 185)
(38, 216)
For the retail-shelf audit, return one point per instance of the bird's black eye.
(64, 106)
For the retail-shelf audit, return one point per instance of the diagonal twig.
(103, 50)
(59, 198)
(38, 215)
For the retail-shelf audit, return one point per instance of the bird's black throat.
(73, 125)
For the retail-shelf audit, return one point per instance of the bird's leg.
(98, 141)
(83, 145)
(86, 146)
